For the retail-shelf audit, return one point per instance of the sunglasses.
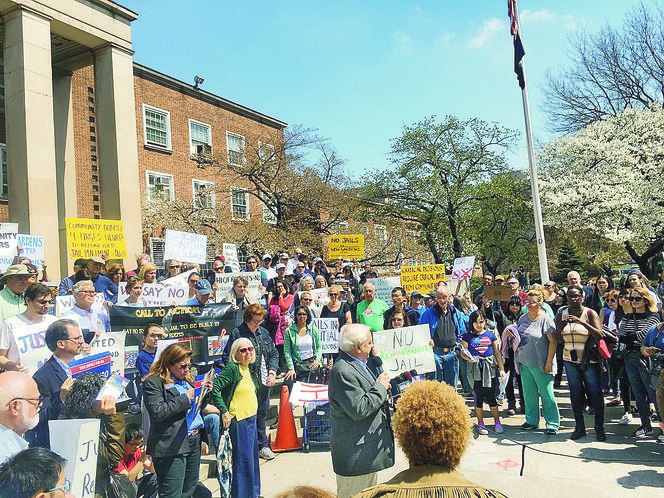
(612, 300)
(306, 299)
(333, 294)
(172, 267)
(548, 285)
(300, 314)
(636, 299)
(246, 350)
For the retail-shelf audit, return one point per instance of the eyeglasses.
(36, 402)
(186, 366)
(87, 293)
(78, 338)
(532, 303)
(174, 266)
(636, 299)
(248, 349)
(306, 299)
(43, 302)
(333, 294)
(548, 285)
(218, 269)
(66, 487)
(612, 300)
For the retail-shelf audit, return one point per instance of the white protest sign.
(185, 246)
(161, 345)
(113, 342)
(65, 303)
(180, 279)
(303, 392)
(463, 268)
(158, 294)
(32, 348)
(77, 442)
(319, 299)
(224, 283)
(384, 287)
(32, 247)
(230, 253)
(329, 333)
(8, 244)
(405, 349)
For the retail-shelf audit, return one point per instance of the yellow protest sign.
(87, 238)
(422, 278)
(346, 246)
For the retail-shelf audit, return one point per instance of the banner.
(65, 303)
(463, 268)
(346, 246)
(319, 298)
(32, 246)
(405, 349)
(422, 278)
(77, 441)
(32, 348)
(185, 246)
(329, 333)
(8, 244)
(114, 344)
(87, 238)
(158, 294)
(230, 253)
(224, 283)
(193, 324)
(98, 363)
(384, 287)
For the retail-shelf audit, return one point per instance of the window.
(339, 227)
(235, 149)
(204, 195)
(381, 232)
(157, 127)
(239, 204)
(268, 215)
(160, 186)
(265, 153)
(2, 89)
(4, 190)
(200, 135)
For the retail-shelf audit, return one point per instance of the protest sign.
(422, 278)
(303, 392)
(216, 346)
(184, 323)
(185, 246)
(114, 344)
(179, 279)
(63, 304)
(319, 298)
(384, 287)
(31, 345)
(230, 253)
(463, 268)
(77, 441)
(346, 246)
(405, 349)
(158, 294)
(224, 283)
(161, 345)
(329, 333)
(87, 238)
(98, 363)
(8, 244)
(498, 292)
(32, 247)
(200, 391)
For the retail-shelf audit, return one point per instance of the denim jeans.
(582, 382)
(263, 395)
(211, 422)
(638, 379)
(447, 367)
(177, 475)
(463, 375)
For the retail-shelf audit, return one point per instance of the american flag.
(519, 52)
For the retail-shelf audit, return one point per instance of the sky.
(358, 71)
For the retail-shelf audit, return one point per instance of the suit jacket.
(361, 437)
(49, 379)
(167, 409)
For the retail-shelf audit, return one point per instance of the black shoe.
(551, 432)
(578, 433)
(527, 427)
(600, 435)
(556, 384)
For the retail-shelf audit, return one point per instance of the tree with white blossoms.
(609, 177)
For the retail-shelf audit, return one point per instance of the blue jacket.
(432, 315)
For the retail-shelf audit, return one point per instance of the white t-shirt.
(16, 322)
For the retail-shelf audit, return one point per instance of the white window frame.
(268, 216)
(195, 198)
(248, 204)
(340, 227)
(228, 149)
(261, 155)
(162, 175)
(382, 228)
(4, 188)
(167, 115)
(192, 147)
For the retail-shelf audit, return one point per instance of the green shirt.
(10, 304)
(371, 314)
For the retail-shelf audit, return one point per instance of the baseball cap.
(96, 259)
(280, 266)
(203, 287)
(266, 256)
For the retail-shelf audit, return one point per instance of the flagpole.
(537, 208)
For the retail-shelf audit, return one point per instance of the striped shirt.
(634, 327)
(575, 336)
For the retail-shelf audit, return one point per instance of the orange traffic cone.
(286, 434)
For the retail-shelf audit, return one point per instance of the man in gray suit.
(361, 439)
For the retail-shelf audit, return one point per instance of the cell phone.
(564, 315)
(574, 355)
(88, 335)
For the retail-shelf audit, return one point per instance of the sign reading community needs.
(185, 246)
(405, 349)
(346, 246)
(87, 238)
(423, 278)
(8, 244)
(77, 441)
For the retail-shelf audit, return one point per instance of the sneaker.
(481, 429)
(578, 433)
(499, 427)
(527, 427)
(600, 435)
(511, 409)
(551, 432)
(266, 453)
(626, 419)
(645, 432)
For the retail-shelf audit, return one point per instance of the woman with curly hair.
(432, 427)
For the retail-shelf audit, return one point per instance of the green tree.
(568, 260)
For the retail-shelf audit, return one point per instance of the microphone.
(376, 363)
(407, 376)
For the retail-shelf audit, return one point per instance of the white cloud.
(489, 29)
(528, 16)
(445, 40)
(403, 41)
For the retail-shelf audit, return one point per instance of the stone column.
(65, 164)
(117, 144)
(30, 130)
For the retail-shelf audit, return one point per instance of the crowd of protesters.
(604, 335)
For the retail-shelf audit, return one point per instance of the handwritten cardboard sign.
(224, 283)
(405, 349)
(8, 244)
(87, 238)
(31, 345)
(329, 333)
(230, 253)
(185, 246)
(77, 441)
(346, 246)
(158, 295)
(422, 278)
(498, 292)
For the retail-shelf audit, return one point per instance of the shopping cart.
(316, 428)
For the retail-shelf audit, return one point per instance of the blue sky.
(358, 71)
